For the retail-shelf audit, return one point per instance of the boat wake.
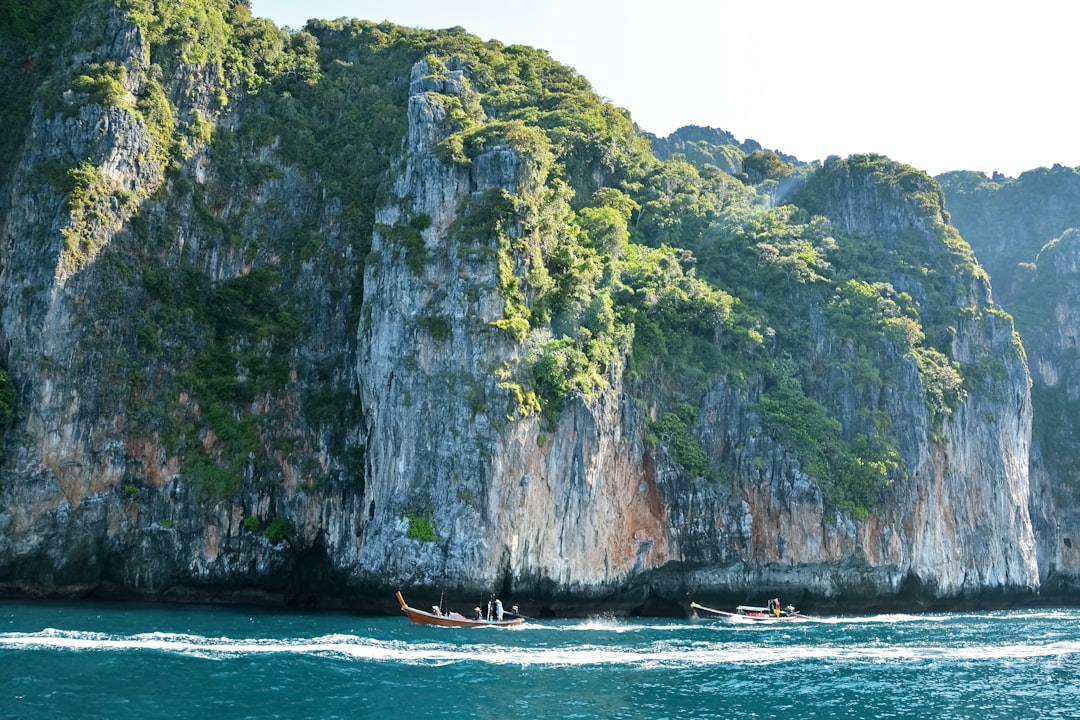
(665, 654)
(886, 618)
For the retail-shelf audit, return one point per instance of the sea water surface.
(138, 662)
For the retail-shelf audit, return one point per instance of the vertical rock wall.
(564, 510)
(463, 488)
(1023, 231)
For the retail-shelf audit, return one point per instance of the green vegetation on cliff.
(722, 265)
(7, 400)
(1024, 231)
(30, 35)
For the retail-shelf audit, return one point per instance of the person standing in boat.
(774, 607)
(498, 610)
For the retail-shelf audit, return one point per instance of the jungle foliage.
(7, 403)
(1024, 229)
(676, 274)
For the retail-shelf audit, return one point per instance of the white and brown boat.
(771, 613)
(452, 619)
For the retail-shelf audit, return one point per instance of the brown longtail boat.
(452, 619)
(771, 613)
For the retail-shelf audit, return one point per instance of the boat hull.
(420, 617)
(749, 614)
(757, 617)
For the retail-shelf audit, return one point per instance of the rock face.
(1055, 364)
(1022, 229)
(64, 458)
(396, 449)
(774, 528)
(570, 512)
(1008, 220)
(709, 145)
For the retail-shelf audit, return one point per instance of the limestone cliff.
(515, 506)
(1024, 230)
(705, 145)
(1052, 341)
(1008, 220)
(310, 317)
(965, 485)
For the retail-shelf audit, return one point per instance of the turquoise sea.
(138, 662)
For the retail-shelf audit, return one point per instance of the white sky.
(941, 85)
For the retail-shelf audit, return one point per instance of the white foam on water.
(436, 653)
(615, 625)
(884, 618)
